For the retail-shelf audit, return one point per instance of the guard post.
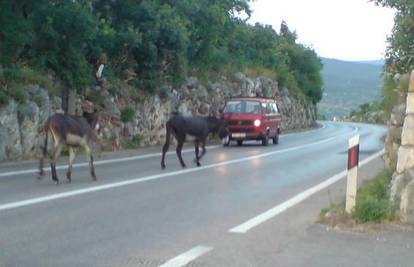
(352, 181)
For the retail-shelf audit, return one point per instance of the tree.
(15, 30)
(63, 33)
(400, 52)
(149, 42)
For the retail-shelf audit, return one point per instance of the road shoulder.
(294, 238)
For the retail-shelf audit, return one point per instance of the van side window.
(264, 108)
(275, 110)
(269, 109)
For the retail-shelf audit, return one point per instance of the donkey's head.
(218, 126)
(93, 120)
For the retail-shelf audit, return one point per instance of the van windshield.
(243, 106)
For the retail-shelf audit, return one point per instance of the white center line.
(153, 177)
(261, 218)
(109, 161)
(101, 162)
(187, 257)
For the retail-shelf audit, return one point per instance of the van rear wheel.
(239, 142)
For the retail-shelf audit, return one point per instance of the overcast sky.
(341, 29)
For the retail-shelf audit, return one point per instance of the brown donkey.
(74, 131)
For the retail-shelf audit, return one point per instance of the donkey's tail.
(45, 129)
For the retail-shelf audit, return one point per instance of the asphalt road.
(139, 215)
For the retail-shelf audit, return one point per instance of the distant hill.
(348, 84)
(379, 62)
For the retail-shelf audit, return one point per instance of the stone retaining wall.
(402, 185)
(19, 122)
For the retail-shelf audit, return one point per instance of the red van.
(252, 118)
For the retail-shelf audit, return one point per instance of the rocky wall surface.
(19, 123)
(402, 184)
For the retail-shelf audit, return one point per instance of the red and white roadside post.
(352, 181)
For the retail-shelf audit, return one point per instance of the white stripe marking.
(101, 162)
(187, 257)
(151, 177)
(246, 226)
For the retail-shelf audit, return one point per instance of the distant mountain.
(379, 62)
(349, 84)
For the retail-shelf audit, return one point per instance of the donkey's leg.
(203, 149)
(178, 151)
(197, 158)
(165, 149)
(89, 156)
(71, 158)
(44, 154)
(53, 172)
(54, 156)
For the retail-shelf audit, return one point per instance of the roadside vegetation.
(369, 112)
(134, 143)
(373, 198)
(146, 44)
(393, 93)
(372, 205)
(399, 57)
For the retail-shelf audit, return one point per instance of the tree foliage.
(149, 42)
(400, 52)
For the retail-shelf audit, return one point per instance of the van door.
(277, 116)
(273, 118)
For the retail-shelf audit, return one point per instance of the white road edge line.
(37, 200)
(261, 218)
(101, 162)
(187, 257)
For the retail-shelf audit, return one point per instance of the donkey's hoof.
(56, 182)
(183, 166)
(198, 164)
(163, 166)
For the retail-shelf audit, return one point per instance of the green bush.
(127, 114)
(372, 204)
(13, 80)
(18, 93)
(30, 76)
(4, 98)
(9, 74)
(163, 92)
(371, 209)
(134, 143)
